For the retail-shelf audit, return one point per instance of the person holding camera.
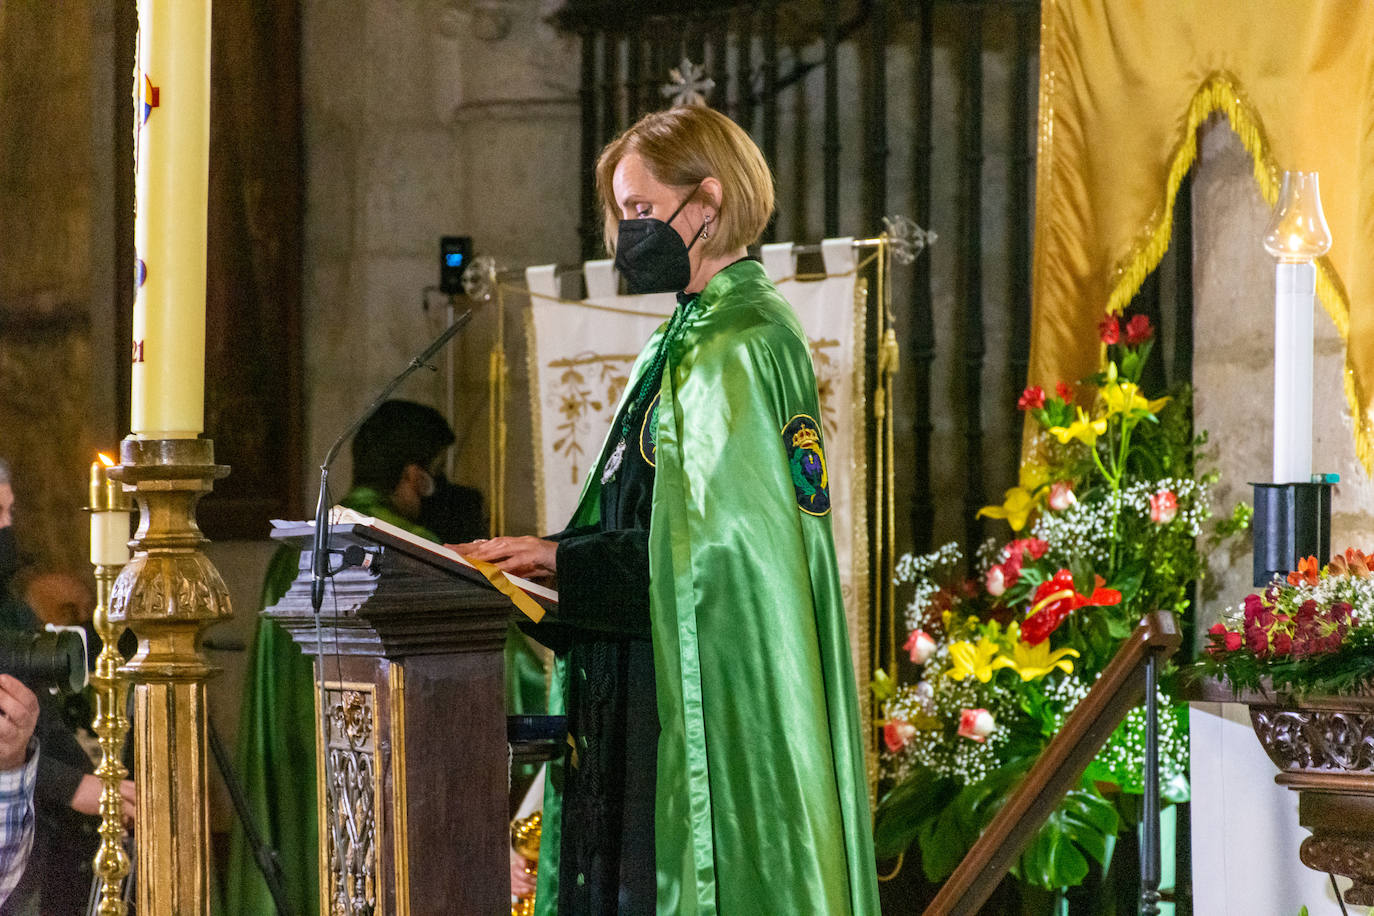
(18, 774)
(66, 791)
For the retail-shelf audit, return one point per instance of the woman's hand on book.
(530, 557)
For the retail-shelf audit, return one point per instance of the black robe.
(602, 623)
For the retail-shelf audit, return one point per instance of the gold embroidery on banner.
(588, 385)
(827, 383)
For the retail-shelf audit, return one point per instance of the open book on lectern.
(529, 597)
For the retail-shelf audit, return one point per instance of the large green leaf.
(911, 803)
(1081, 826)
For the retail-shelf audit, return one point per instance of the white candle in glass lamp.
(171, 182)
(1296, 235)
(110, 514)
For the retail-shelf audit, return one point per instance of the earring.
(705, 226)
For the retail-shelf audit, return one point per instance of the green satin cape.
(762, 801)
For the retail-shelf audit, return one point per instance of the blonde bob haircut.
(681, 147)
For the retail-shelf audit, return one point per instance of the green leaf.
(909, 805)
(1127, 579)
(1118, 628)
(943, 843)
(882, 686)
(1081, 826)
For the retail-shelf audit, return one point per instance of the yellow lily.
(1017, 505)
(980, 660)
(1083, 429)
(1020, 501)
(1036, 661)
(1124, 397)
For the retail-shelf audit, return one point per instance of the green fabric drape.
(761, 801)
(275, 756)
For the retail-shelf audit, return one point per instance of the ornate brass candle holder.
(525, 834)
(168, 593)
(110, 510)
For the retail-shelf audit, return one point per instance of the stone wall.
(425, 119)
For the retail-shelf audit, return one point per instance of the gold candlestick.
(168, 593)
(110, 510)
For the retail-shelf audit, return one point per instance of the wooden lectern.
(413, 816)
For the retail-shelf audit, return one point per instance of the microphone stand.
(320, 550)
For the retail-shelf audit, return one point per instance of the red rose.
(1233, 641)
(1109, 330)
(1033, 398)
(1138, 330)
(1064, 390)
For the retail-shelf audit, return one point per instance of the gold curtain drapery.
(1123, 89)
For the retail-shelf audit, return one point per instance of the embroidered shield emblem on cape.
(648, 433)
(801, 437)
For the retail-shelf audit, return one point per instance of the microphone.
(320, 550)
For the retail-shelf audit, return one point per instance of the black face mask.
(9, 558)
(650, 254)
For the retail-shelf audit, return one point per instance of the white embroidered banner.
(580, 354)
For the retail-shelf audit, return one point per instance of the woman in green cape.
(714, 762)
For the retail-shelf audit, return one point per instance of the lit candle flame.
(105, 459)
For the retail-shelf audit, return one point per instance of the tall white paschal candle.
(171, 180)
(1297, 234)
(1294, 292)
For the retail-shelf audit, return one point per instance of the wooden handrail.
(1059, 768)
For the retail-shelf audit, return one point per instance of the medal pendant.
(613, 462)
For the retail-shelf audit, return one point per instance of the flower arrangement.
(1105, 519)
(1311, 633)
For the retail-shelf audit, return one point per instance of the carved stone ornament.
(351, 800)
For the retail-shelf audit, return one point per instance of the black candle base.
(1292, 521)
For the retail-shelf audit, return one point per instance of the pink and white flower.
(976, 724)
(920, 646)
(896, 734)
(1061, 496)
(996, 581)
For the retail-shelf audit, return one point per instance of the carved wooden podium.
(413, 816)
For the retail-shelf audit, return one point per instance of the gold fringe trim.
(1220, 92)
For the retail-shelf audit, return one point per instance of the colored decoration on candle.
(171, 181)
(110, 514)
(1296, 235)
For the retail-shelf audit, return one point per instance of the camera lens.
(44, 659)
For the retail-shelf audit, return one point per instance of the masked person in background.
(715, 762)
(57, 881)
(397, 454)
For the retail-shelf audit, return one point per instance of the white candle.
(1294, 292)
(1296, 235)
(171, 181)
(109, 517)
